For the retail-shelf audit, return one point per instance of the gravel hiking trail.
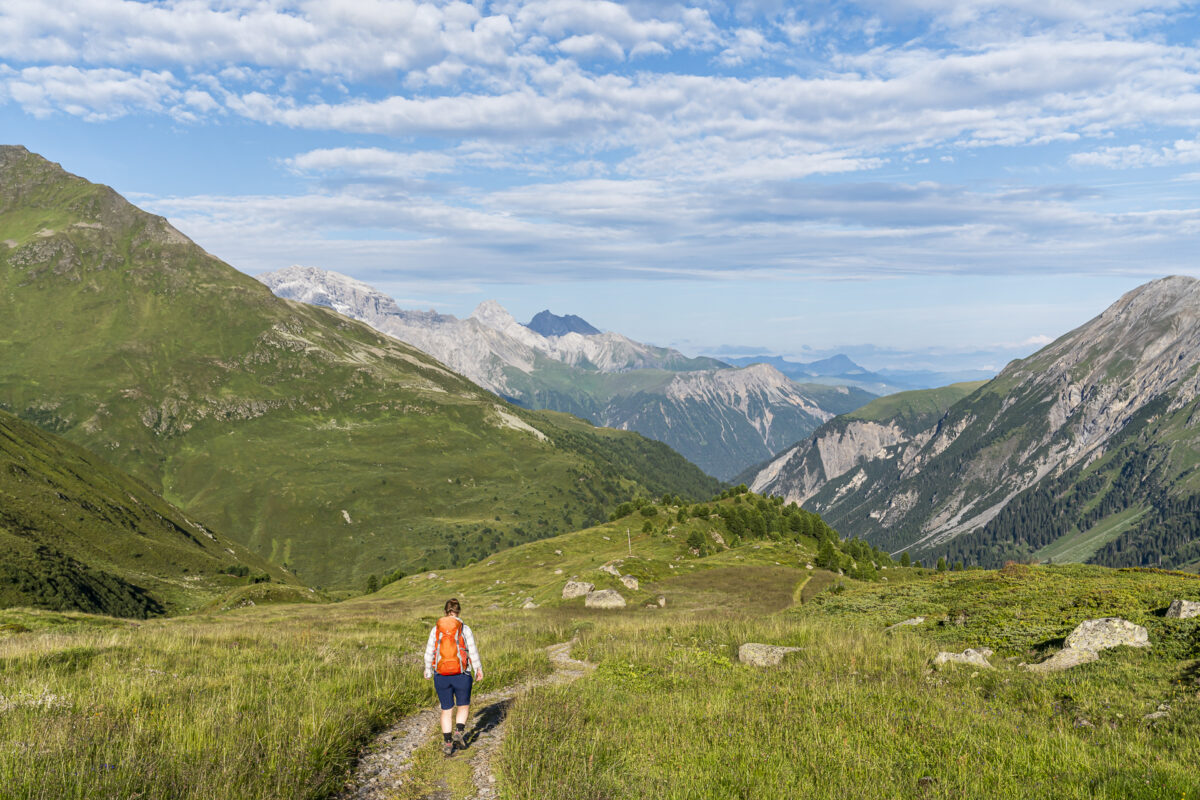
(383, 768)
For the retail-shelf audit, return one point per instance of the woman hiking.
(450, 655)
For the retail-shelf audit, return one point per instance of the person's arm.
(428, 661)
(473, 652)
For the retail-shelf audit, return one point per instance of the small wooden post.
(629, 541)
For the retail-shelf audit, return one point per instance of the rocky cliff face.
(923, 481)
(722, 419)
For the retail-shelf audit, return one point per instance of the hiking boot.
(458, 740)
(448, 749)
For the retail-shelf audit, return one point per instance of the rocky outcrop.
(764, 655)
(629, 582)
(1106, 633)
(974, 658)
(908, 623)
(604, 598)
(1064, 659)
(1183, 609)
(576, 589)
(1084, 643)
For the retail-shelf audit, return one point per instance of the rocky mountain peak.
(494, 315)
(549, 324)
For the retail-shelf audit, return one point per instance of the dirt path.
(381, 772)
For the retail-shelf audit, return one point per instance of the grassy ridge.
(268, 418)
(77, 534)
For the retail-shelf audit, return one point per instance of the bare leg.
(463, 713)
(447, 720)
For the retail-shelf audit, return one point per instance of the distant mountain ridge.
(548, 324)
(722, 419)
(840, 369)
(1087, 449)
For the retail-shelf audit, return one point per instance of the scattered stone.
(491, 562)
(432, 575)
(716, 537)
(611, 570)
(1102, 634)
(529, 604)
(558, 552)
(630, 582)
(808, 566)
(905, 624)
(960, 620)
(662, 601)
(1183, 609)
(494, 607)
(1064, 659)
(970, 656)
(605, 598)
(576, 589)
(558, 572)
(1083, 722)
(606, 538)
(1153, 717)
(764, 655)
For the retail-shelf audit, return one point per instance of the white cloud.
(1182, 151)
(93, 94)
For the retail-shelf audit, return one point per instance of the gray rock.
(529, 604)
(906, 623)
(576, 589)
(1064, 659)
(558, 572)
(605, 598)
(1183, 609)
(975, 658)
(764, 655)
(630, 582)
(611, 570)
(662, 601)
(1102, 634)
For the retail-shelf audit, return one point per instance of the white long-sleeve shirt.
(473, 660)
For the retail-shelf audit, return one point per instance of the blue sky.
(918, 182)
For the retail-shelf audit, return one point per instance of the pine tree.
(905, 559)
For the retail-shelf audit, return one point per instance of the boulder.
(558, 572)
(611, 570)
(529, 604)
(1064, 659)
(764, 655)
(630, 582)
(906, 623)
(975, 658)
(577, 589)
(1101, 634)
(605, 598)
(1183, 609)
(662, 601)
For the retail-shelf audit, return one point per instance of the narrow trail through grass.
(405, 761)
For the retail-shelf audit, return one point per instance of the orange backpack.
(450, 651)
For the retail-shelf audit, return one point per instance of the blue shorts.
(453, 690)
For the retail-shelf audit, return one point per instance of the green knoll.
(313, 440)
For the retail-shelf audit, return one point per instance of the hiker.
(450, 655)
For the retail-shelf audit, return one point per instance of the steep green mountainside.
(720, 418)
(317, 442)
(1086, 450)
(78, 534)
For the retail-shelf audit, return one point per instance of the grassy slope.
(917, 403)
(259, 703)
(268, 418)
(78, 534)
(1082, 545)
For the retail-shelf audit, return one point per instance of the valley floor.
(286, 701)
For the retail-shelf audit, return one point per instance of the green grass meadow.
(275, 699)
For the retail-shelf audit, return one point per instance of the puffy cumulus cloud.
(1182, 151)
(95, 94)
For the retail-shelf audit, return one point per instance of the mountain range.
(723, 419)
(841, 370)
(1086, 451)
(315, 441)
